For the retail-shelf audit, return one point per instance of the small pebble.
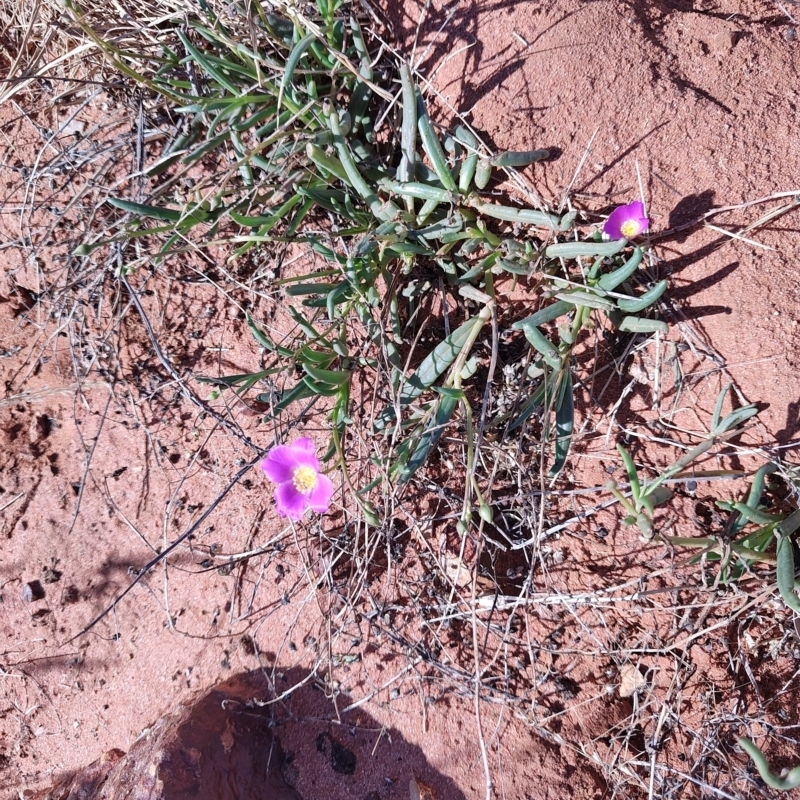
(790, 34)
(724, 41)
(51, 575)
(32, 591)
(70, 595)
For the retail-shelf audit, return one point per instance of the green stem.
(367, 509)
(792, 779)
(611, 486)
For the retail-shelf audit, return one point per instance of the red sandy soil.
(105, 460)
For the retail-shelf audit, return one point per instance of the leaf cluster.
(293, 118)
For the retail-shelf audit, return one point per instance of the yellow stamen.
(630, 228)
(304, 479)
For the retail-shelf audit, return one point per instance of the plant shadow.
(436, 35)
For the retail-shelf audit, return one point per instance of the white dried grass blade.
(739, 237)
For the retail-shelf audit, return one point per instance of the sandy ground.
(106, 461)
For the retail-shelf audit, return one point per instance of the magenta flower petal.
(280, 463)
(295, 468)
(303, 450)
(627, 222)
(289, 502)
(320, 497)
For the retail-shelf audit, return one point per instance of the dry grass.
(509, 616)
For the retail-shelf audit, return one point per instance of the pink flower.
(295, 468)
(627, 222)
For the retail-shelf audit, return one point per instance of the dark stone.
(33, 591)
(51, 575)
(343, 760)
(220, 748)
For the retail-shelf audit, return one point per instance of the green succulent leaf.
(577, 249)
(439, 360)
(547, 314)
(327, 376)
(785, 571)
(611, 280)
(632, 305)
(565, 421)
(640, 325)
(446, 406)
(543, 345)
(784, 784)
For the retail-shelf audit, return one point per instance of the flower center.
(304, 479)
(630, 228)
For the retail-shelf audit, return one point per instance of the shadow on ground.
(235, 742)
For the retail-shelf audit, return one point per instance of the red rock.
(219, 748)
